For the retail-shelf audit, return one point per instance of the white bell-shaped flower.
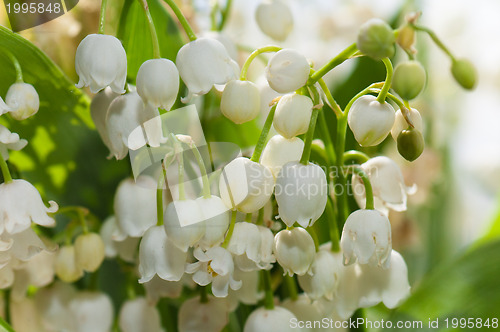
(249, 293)
(22, 204)
(10, 141)
(126, 249)
(3, 107)
(293, 114)
(252, 246)
(240, 101)
(158, 83)
(245, 185)
(184, 223)
(301, 193)
(91, 311)
(225, 40)
(274, 19)
(159, 256)
(89, 251)
(287, 71)
(196, 316)
(214, 266)
(400, 123)
(138, 315)
(294, 250)
(366, 237)
(276, 320)
(216, 218)
(52, 303)
(38, 272)
(132, 125)
(22, 246)
(306, 311)
(99, 111)
(23, 100)
(279, 151)
(65, 266)
(325, 275)
(203, 63)
(101, 61)
(135, 207)
(370, 120)
(389, 189)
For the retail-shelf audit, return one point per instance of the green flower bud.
(465, 73)
(410, 144)
(376, 39)
(409, 79)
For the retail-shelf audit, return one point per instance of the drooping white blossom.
(210, 316)
(287, 71)
(240, 101)
(38, 272)
(216, 218)
(91, 311)
(101, 61)
(294, 250)
(89, 251)
(65, 266)
(184, 223)
(301, 193)
(249, 293)
(158, 83)
(22, 246)
(279, 151)
(126, 249)
(99, 111)
(3, 107)
(10, 141)
(22, 100)
(52, 303)
(324, 277)
(274, 19)
(293, 114)
(138, 315)
(276, 320)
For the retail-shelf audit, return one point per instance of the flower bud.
(22, 100)
(280, 151)
(406, 38)
(89, 251)
(367, 237)
(277, 319)
(203, 63)
(294, 250)
(274, 19)
(184, 223)
(376, 39)
(240, 101)
(464, 73)
(301, 193)
(245, 185)
(409, 79)
(370, 120)
(410, 144)
(293, 114)
(101, 61)
(158, 83)
(400, 123)
(66, 268)
(287, 71)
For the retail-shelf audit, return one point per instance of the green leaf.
(134, 33)
(465, 287)
(4, 326)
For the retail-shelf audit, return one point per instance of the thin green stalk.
(368, 187)
(102, 16)
(213, 14)
(327, 139)
(182, 19)
(333, 225)
(356, 156)
(314, 236)
(331, 101)
(388, 80)
(260, 217)
(180, 159)
(253, 55)
(225, 15)
(17, 66)
(261, 143)
(339, 178)
(152, 29)
(341, 57)
(7, 178)
(306, 153)
(291, 286)
(230, 230)
(159, 200)
(203, 294)
(269, 297)
(203, 171)
(392, 97)
(6, 298)
(435, 39)
(248, 217)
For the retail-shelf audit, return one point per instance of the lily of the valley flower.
(277, 319)
(89, 251)
(22, 204)
(301, 193)
(287, 71)
(65, 266)
(23, 100)
(366, 237)
(99, 111)
(389, 189)
(159, 256)
(214, 266)
(279, 151)
(38, 272)
(135, 207)
(195, 316)
(240, 101)
(22, 246)
(216, 219)
(203, 63)
(91, 311)
(138, 315)
(274, 19)
(293, 114)
(3, 107)
(252, 246)
(125, 249)
(294, 250)
(101, 61)
(249, 292)
(10, 141)
(184, 223)
(370, 120)
(158, 83)
(158, 288)
(400, 123)
(245, 185)
(325, 275)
